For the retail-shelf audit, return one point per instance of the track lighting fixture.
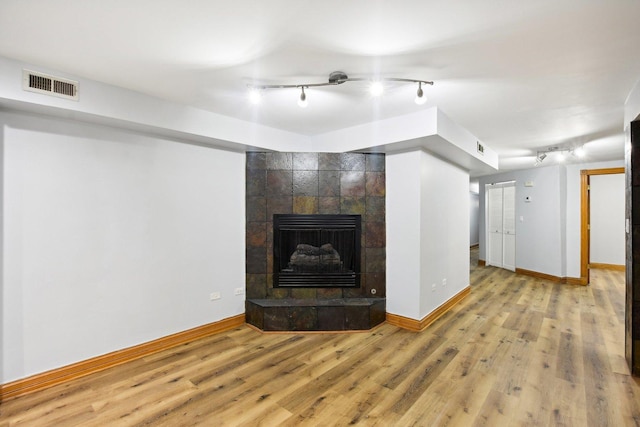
(337, 78)
(562, 153)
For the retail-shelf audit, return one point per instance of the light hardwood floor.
(517, 351)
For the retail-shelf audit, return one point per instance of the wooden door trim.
(585, 201)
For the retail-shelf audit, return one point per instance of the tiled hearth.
(314, 183)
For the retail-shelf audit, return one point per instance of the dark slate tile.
(375, 234)
(375, 209)
(352, 184)
(375, 260)
(305, 161)
(256, 260)
(303, 319)
(276, 319)
(352, 205)
(256, 208)
(375, 184)
(305, 183)
(329, 183)
(256, 286)
(256, 160)
(377, 313)
(254, 315)
(303, 293)
(256, 182)
(256, 234)
(329, 293)
(375, 162)
(305, 205)
(279, 183)
(277, 293)
(329, 161)
(329, 205)
(352, 162)
(357, 317)
(331, 319)
(279, 161)
(375, 281)
(279, 205)
(354, 293)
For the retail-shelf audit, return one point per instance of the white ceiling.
(520, 75)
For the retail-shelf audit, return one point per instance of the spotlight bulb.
(255, 96)
(420, 98)
(579, 152)
(376, 88)
(302, 102)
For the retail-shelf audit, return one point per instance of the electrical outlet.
(214, 296)
(444, 282)
(239, 291)
(433, 287)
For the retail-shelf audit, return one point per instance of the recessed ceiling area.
(520, 76)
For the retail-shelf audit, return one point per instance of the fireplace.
(316, 250)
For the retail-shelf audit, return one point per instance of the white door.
(501, 225)
(494, 232)
(509, 227)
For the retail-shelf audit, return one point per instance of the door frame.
(585, 208)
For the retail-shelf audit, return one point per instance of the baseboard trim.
(420, 325)
(616, 267)
(86, 367)
(568, 280)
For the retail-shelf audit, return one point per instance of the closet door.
(509, 227)
(494, 226)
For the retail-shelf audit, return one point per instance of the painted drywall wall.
(403, 178)
(474, 212)
(427, 232)
(607, 197)
(572, 237)
(112, 239)
(444, 232)
(540, 222)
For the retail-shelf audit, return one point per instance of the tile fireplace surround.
(314, 183)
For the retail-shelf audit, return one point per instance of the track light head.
(420, 98)
(302, 102)
(376, 89)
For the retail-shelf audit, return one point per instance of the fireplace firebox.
(316, 250)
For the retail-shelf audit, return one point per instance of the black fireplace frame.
(313, 222)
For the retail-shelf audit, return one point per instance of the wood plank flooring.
(518, 351)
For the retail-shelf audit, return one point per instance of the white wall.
(111, 239)
(444, 231)
(403, 181)
(427, 232)
(539, 223)
(474, 218)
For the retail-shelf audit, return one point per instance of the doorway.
(501, 224)
(585, 220)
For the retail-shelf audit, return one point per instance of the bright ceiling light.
(255, 96)
(302, 102)
(562, 156)
(376, 88)
(579, 152)
(420, 97)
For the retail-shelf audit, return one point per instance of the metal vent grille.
(42, 83)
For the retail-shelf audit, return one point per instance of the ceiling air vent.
(49, 85)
